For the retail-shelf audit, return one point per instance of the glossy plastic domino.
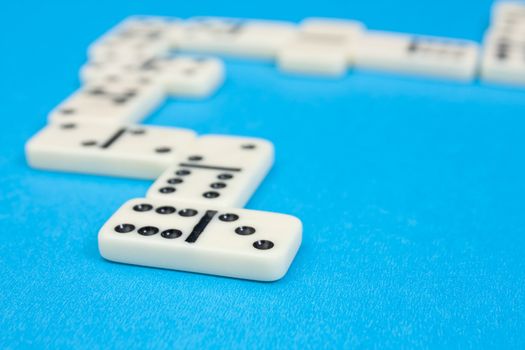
(126, 150)
(216, 170)
(228, 242)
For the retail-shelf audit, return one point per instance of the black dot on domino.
(171, 233)
(165, 210)
(120, 100)
(263, 244)
(97, 91)
(182, 172)
(174, 181)
(225, 176)
(211, 194)
(142, 207)
(67, 111)
(248, 146)
(167, 189)
(124, 228)
(195, 158)
(138, 132)
(187, 212)
(89, 143)
(218, 185)
(162, 149)
(148, 230)
(68, 126)
(245, 230)
(228, 217)
(130, 93)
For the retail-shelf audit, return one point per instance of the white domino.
(216, 170)
(314, 54)
(186, 76)
(228, 242)
(322, 47)
(245, 38)
(508, 11)
(181, 76)
(127, 151)
(418, 55)
(129, 50)
(95, 72)
(503, 61)
(111, 102)
(136, 39)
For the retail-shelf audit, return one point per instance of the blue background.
(411, 193)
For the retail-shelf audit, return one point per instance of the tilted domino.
(187, 76)
(111, 102)
(127, 151)
(136, 39)
(180, 76)
(128, 94)
(503, 61)
(419, 55)
(322, 47)
(221, 241)
(507, 11)
(237, 37)
(508, 22)
(216, 170)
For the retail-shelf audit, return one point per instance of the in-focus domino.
(111, 102)
(127, 151)
(216, 170)
(228, 242)
(418, 55)
(246, 38)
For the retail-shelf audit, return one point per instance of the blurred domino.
(181, 76)
(237, 37)
(185, 76)
(136, 39)
(216, 170)
(97, 72)
(508, 22)
(322, 47)
(508, 11)
(418, 55)
(503, 57)
(228, 242)
(128, 151)
(110, 102)
(503, 61)
(346, 33)
(129, 50)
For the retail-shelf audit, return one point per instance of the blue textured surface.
(411, 192)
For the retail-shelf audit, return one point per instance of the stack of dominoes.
(504, 44)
